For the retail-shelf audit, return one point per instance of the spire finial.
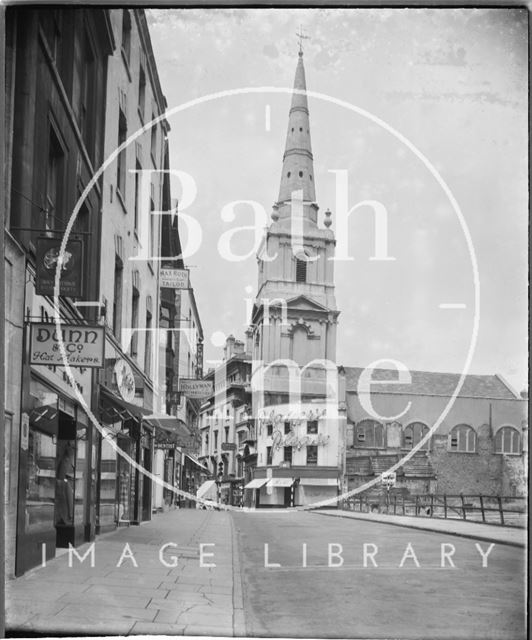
(301, 37)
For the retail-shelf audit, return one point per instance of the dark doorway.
(287, 496)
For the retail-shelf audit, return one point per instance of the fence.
(501, 510)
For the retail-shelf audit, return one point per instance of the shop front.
(56, 494)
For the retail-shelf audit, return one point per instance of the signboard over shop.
(193, 388)
(84, 344)
(173, 278)
(71, 260)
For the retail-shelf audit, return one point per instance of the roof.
(432, 383)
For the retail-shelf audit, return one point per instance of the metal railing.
(500, 510)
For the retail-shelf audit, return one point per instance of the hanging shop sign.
(173, 278)
(84, 344)
(49, 256)
(193, 388)
(125, 379)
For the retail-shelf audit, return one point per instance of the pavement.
(150, 598)
(464, 528)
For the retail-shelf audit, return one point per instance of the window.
(269, 430)
(269, 455)
(54, 174)
(241, 437)
(312, 426)
(137, 194)
(507, 440)
(216, 440)
(301, 270)
(413, 434)
(117, 298)
(121, 160)
(142, 91)
(312, 455)
(287, 454)
(287, 427)
(83, 89)
(147, 350)
(153, 140)
(126, 35)
(134, 320)
(462, 438)
(226, 429)
(369, 433)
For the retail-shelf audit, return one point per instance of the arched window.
(507, 440)
(414, 433)
(370, 434)
(462, 438)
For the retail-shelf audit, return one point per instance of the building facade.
(480, 447)
(300, 432)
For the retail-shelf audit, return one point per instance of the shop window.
(287, 454)
(463, 439)
(312, 455)
(269, 456)
(370, 434)
(507, 440)
(413, 434)
(312, 426)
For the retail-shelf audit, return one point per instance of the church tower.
(294, 322)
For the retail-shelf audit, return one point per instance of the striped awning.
(319, 482)
(256, 483)
(280, 482)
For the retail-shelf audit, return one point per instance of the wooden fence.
(501, 510)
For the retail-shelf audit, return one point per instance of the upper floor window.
(369, 433)
(462, 438)
(287, 427)
(287, 454)
(269, 429)
(126, 35)
(312, 455)
(121, 160)
(269, 456)
(312, 426)
(301, 270)
(507, 440)
(54, 180)
(413, 434)
(142, 90)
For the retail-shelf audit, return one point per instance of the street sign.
(193, 388)
(389, 479)
(228, 446)
(173, 278)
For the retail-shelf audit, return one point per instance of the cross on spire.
(301, 37)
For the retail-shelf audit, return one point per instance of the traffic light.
(220, 468)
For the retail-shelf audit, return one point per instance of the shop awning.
(319, 482)
(197, 462)
(205, 488)
(256, 483)
(280, 482)
(124, 409)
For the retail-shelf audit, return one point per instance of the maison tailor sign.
(84, 344)
(293, 440)
(49, 257)
(173, 278)
(295, 419)
(195, 388)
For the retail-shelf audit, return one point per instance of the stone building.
(300, 433)
(480, 447)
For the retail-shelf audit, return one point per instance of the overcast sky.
(453, 82)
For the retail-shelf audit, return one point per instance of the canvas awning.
(319, 482)
(280, 482)
(256, 483)
(205, 488)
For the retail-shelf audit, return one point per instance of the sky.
(452, 82)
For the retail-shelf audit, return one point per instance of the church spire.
(298, 168)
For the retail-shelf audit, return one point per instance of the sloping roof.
(432, 383)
